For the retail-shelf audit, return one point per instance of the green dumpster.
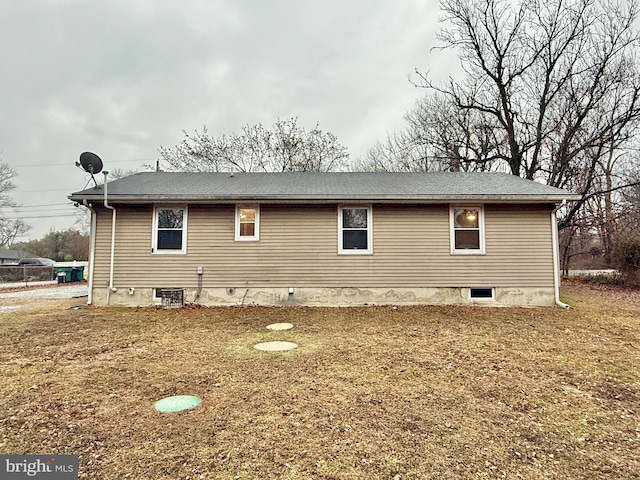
(71, 274)
(77, 274)
(67, 273)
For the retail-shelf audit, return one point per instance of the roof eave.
(139, 199)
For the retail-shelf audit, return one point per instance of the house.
(11, 257)
(323, 239)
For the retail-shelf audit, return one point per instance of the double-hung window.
(169, 229)
(247, 222)
(467, 229)
(354, 230)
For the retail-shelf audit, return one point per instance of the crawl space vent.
(481, 293)
(172, 298)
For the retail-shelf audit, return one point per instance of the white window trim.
(369, 249)
(253, 238)
(154, 239)
(452, 233)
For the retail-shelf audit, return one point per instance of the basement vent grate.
(172, 298)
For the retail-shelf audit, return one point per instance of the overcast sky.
(122, 77)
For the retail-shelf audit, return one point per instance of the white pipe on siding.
(113, 238)
(556, 256)
(92, 251)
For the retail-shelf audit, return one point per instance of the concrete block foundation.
(338, 296)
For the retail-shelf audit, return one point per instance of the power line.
(38, 216)
(18, 211)
(37, 191)
(16, 215)
(67, 163)
(40, 206)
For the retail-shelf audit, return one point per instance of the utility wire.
(40, 206)
(54, 213)
(37, 191)
(67, 163)
(38, 216)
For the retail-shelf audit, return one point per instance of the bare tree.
(629, 218)
(555, 84)
(117, 173)
(10, 230)
(437, 137)
(466, 140)
(558, 77)
(397, 153)
(550, 92)
(62, 246)
(286, 147)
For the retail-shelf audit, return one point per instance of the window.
(169, 231)
(354, 230)
(467, 230)
(247, 222)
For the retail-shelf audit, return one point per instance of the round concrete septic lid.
(177, 403)
(275, 346)
(280, 326)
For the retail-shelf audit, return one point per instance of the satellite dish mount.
(90, 163)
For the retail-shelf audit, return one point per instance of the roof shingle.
(323, 187)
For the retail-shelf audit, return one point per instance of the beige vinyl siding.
(298, 246)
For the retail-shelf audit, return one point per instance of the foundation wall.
(503, 296)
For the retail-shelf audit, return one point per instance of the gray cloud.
(121, 78)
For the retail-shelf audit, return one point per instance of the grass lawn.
(371, 392)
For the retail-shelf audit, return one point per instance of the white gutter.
(92, 251)
(556, 256)
(113, 238)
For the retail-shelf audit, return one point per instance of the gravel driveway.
(52, 292)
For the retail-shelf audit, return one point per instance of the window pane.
(467, 239)
(354, 239)
(247, 215)
(170, 218)
(247, 229)
(169, 239)
(466, 217)
(354, 218)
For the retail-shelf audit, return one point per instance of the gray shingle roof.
(322, 187)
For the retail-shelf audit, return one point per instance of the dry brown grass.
(372, 392)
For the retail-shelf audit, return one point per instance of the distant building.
(9, 257)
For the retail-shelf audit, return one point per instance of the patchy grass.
(372, 392)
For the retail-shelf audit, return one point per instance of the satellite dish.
(91, 162)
